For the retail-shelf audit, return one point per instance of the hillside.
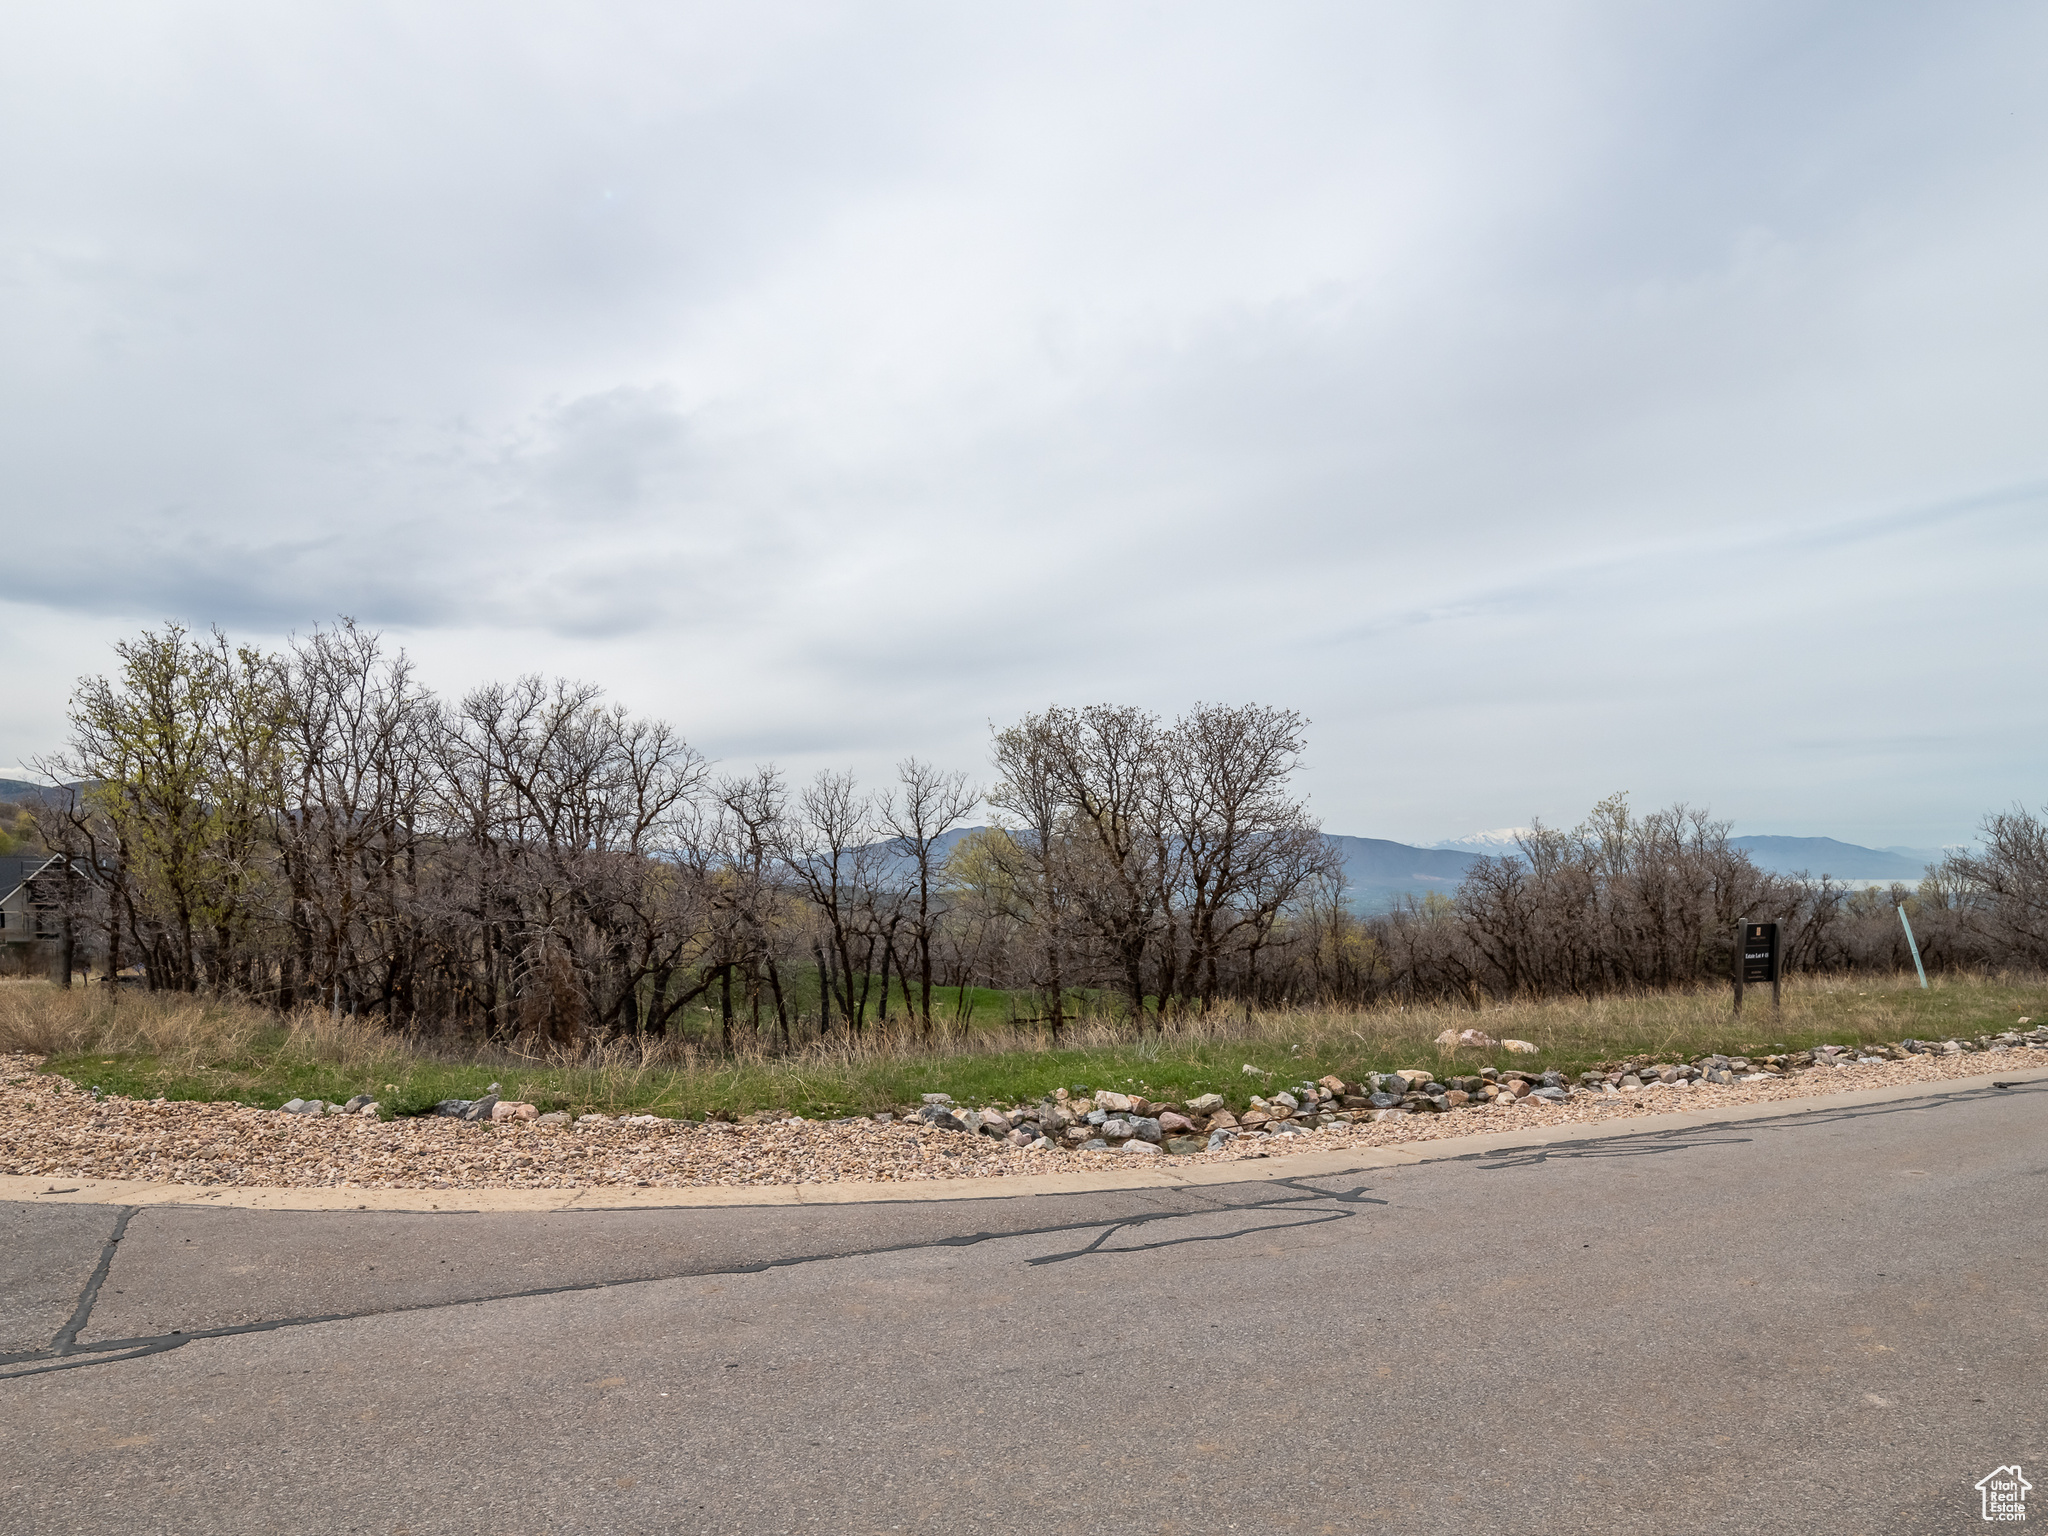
(1382, 871)
(1826, 856)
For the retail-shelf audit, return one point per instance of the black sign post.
(1757, 959)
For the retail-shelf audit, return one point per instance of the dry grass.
(193, 1047)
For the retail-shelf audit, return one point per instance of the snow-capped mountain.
(1499, 840)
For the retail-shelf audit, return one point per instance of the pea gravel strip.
(51, 1128)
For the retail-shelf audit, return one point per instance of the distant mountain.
(1376, 861)
(19, 790)
(1845, 861)
(1922, 855)
(1380, 872)
(1499, 840)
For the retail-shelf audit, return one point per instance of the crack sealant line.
(110, 1351)
(66, 1340)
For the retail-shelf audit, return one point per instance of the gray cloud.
(834, 380)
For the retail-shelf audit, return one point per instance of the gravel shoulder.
(51, 1128)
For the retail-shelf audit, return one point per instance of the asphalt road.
(1833, 1322)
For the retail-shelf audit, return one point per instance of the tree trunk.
(781, 1007)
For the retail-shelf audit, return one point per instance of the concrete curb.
(1290, 1165)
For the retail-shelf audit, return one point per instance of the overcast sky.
(1548, 399)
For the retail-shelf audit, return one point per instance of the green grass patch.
(210, 1052)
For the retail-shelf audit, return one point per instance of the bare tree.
(928, 805)
(1033, 859)
(2007, 884)
(828, 847)
(1104, 762)
(1240, 848)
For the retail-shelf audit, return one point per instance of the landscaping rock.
(1142, 1146)
(1206, 1104)
(411, 1151)
(1466, 1039)
(1520, 1048)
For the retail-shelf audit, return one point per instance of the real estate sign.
(1757, 959)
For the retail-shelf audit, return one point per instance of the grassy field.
(193, 1048)
(956, 1008)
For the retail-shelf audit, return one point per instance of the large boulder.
(1465, 1039)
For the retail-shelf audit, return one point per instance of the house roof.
(16, 870)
